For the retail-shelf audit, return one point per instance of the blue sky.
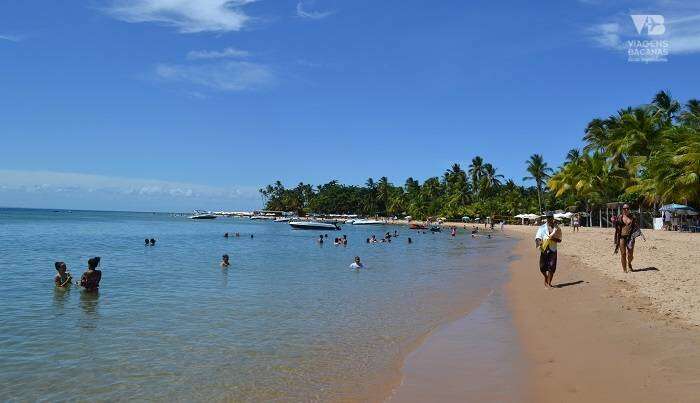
(174, 104)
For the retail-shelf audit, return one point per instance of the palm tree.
(665, 107)
(476, 171)
(491, 179)
(539, 172)
(573, 155)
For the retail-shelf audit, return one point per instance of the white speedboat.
(202, 215)
(313, 225)
(368, 222)
(283, 219)
(262, 217)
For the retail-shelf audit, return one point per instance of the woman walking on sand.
(626, 231)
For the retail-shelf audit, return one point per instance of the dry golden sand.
(667, 265)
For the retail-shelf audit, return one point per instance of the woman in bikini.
(626, 231)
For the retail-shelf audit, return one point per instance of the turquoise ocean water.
(288, 321)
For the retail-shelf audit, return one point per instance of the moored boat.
(368, 222)
(313, 225)
(418, 226)
(202, 215)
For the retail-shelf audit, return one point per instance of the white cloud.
(224, 76)
(314, 15)
(187, 16)
(78, 183)
(607, 35)
(682, 21)
(11, 38)
(217, 54)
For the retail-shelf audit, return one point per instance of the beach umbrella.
(679, 209)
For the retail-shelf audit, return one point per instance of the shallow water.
(288, 321)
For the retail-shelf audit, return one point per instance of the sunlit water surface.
(288, 321)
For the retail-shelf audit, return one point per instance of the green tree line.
(648, 154)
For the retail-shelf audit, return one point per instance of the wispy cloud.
(217, 54)
(682, 21)
(11, 38)
(187, 16)
(224, 76)
(607, 35)
(78, 183)
(311, 14)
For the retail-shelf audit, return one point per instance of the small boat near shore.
(368, 222)
(418, 226)
(314, 225)
(201, 215)
(263, 217)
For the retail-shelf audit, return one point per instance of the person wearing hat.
(547, 237)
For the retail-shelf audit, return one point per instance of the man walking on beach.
(546, 240)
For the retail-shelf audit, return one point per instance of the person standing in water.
(63, 277)
(90, 280)
(546, 240)
(356, 265)
(626, 231)
(224, 261)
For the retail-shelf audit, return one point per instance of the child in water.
(63, 278)
(224, 261)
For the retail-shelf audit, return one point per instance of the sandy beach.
(602, 335)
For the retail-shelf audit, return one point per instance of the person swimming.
(320, 239)
(224, 261)
(225, 234)
(146, 242)
(237, 234)
(90, 280)
(251, 236)
(357, 265)
(410, 240)
(63, 277)
(153, 242)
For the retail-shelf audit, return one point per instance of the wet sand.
(594, 338)
(475, 358)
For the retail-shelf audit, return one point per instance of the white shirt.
(543, 234)
(356, 266)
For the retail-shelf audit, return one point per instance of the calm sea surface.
(288, 321)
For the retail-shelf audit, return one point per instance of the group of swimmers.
(90, 280)
(387, 238)
(149, 242)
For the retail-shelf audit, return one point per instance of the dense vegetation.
(648, 154)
